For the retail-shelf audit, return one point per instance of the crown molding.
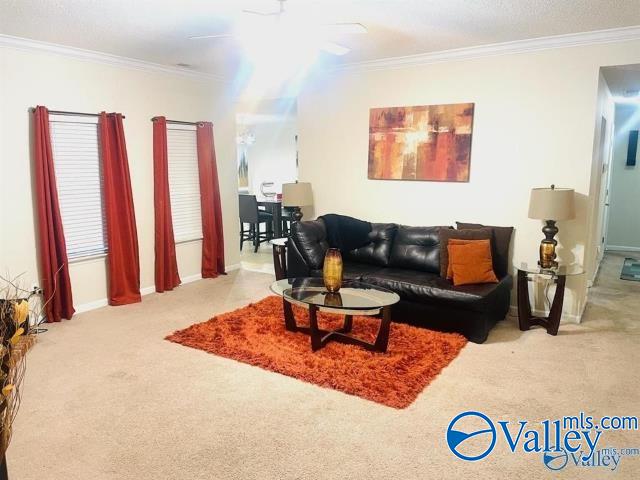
(468, 53)
(103, 58)
(519, 46)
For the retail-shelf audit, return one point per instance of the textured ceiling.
(157, 30)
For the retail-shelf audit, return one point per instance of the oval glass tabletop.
(353, 295)
(567, 270)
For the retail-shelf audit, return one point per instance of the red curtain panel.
(213, 239)
(123, 260)
(54, 268)
(166, 266)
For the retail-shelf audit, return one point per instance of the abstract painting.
(430, 142)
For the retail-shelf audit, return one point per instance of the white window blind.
(184, 182)
(76, 157)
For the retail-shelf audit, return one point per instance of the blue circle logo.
(471, 436)
(556, 460)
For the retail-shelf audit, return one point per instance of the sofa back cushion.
(416, 248)
(500, 242)
(377, 251)
(310, 238)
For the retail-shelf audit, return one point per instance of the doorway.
(266, 137)
(622, 226)
(617, 229)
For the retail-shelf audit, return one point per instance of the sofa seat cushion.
(431, 288)
(356, 271)
(352, 270)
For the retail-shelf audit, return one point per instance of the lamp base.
(297, 214)
(548, 245)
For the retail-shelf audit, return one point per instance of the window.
(184, 182)
(76, 156)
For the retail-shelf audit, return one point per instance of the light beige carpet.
(106, 397)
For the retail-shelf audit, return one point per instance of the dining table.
(273, 205)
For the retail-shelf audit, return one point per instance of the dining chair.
(249, 213)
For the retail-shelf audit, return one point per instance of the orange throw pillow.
(456, 241)
(471, 262)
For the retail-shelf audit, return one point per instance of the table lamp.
(297, 195)
(551, 204)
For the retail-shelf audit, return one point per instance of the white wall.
(624, 197)
(272, 157)
(534, 125)
(30, 78)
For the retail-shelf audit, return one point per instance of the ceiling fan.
(280, 20)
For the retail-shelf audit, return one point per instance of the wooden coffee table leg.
(316, 337)
(289, 319)
(383, 335)
(348, 324)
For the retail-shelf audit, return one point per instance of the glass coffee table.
(354, 298)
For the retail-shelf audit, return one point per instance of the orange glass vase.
(332, 270)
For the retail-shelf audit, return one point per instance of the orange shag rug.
(255, 334)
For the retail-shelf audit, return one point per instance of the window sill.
(88, 259)
(181, 242)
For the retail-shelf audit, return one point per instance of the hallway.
(613, 304)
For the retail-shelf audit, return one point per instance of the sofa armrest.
(296, 265)
(507, 281)
(310, 239)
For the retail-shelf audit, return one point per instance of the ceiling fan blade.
(262, 14)
(203, 37)
(343, 28)
(335, 49)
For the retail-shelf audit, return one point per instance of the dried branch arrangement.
(15, 341)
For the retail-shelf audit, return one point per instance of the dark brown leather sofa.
(406, 260)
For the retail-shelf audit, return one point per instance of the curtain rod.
(74, 114)
(179, 122)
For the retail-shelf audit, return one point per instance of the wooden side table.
(527, 273)
(280, 257)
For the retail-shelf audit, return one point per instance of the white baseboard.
(189, 279)
(147, 290)
(85, 307)
(103, 302)
(621, 248)
(566, 318)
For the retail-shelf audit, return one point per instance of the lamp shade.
(296, 194)
(552, 204)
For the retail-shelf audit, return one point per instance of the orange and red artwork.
(431, 142)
